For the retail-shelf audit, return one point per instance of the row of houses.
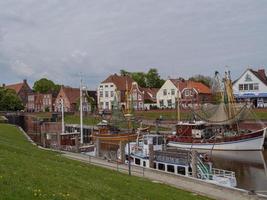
(51, 102)
(250, 86)
(115, 86)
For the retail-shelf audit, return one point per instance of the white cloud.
(61, 39)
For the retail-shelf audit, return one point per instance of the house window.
(251, 86)
(245, 86)
(187, 93)
(106, 93)
(111, 85)
(161, 103)
(165, 92)
(173, 91)
(144, 163)
(106, 86)
(107, 105)
(169, 103)
(241, 87)
(101, 86)
(111, 93)
(101, 94)
(256, 86)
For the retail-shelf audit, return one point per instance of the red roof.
(120, 81)
(73, 94)
(200, 87)
(17, 87)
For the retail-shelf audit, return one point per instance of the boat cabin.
(193, 129)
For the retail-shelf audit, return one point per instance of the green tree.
(9, 100)
(150, 79)
(45, 86)
(153, 79)
(206, 80)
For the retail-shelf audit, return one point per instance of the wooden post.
(122, 151)
(43, 139)
(77, 144)
(194, 163)
(151, 155)
(97, 147)
(59, 140)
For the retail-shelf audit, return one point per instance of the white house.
(167, 94)
(252, 86)
(113, 85)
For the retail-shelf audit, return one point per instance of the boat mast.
(62, 115)
(81, 111)
(178, 102)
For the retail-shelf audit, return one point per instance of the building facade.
(251, 87)
(38, 102)
(70, 97)
(111, 86)
(188, 92)
(21, 89)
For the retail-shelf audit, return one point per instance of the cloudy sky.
(59, 39)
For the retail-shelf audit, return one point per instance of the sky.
(65, 39)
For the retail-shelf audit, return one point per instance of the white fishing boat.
(149, 153)
(219, 127)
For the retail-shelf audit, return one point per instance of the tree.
(153, 79)
(206, 80)
(45, 86)
(9, 100)
(150, 79)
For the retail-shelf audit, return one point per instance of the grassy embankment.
(27, 172)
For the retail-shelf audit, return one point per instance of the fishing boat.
(149, 153)
(219, 126)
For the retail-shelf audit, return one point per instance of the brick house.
(38, 102)
(111, 86)
(142, 98)
(70, 98)
(189, 92)
(21, 89)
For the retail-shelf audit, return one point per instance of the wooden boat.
(218, 126)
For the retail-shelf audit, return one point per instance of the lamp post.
(62, 114)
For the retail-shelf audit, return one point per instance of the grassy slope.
(27, 172)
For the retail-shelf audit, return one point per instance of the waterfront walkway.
(186, 183)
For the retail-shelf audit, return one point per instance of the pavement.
(186, 183)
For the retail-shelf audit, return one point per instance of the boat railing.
(222, 172)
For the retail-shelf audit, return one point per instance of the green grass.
(87, 120)
(27, 172)
(166, 114)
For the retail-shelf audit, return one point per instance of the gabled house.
(70, 97)
(142, 98)
(38, 102)
(22, 90)
(111, 86)
(251, 86)
(189, 92)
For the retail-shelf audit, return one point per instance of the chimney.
(25, 81)
(262, 74)
(3, 85)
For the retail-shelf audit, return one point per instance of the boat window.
(145, 141)
(181, 170)
(155, 165)
(170, 168)
(160, 140)
(144, 163)
(137, 161)
(161, 166)
(154, 140)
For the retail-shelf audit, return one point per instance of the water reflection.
(249, 166)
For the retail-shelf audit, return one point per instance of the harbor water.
(250, 168)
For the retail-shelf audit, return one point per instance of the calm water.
(250, 168)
